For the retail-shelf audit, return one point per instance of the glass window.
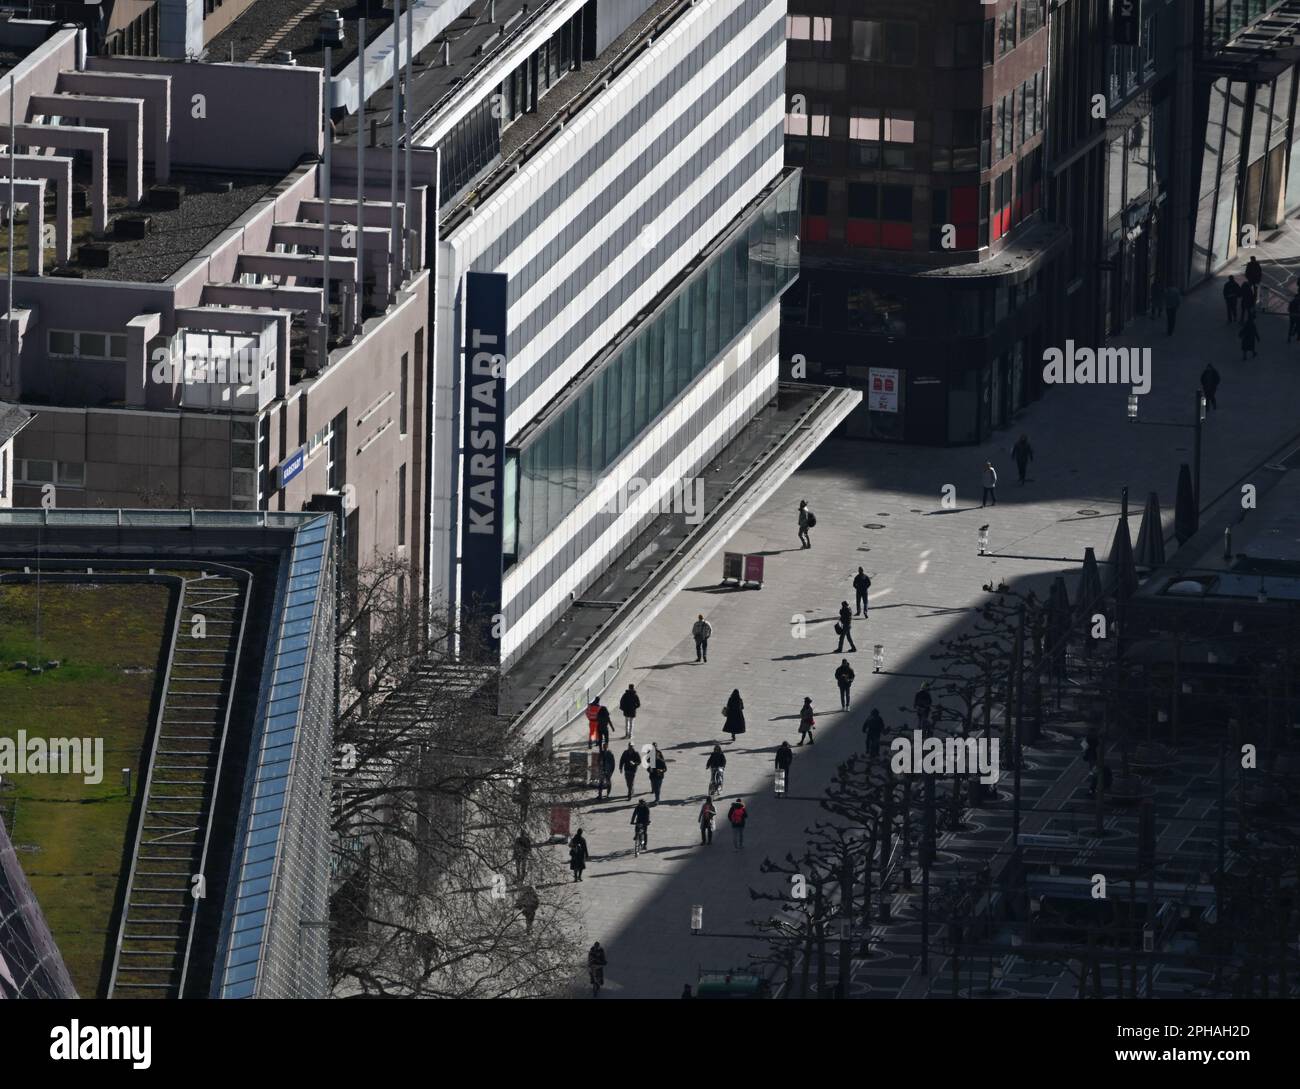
(117, 346)
(62, 343)
(598, 440)
(900, 43)
(711, 345)
(72, 472)
(93, 345)
(868, 40)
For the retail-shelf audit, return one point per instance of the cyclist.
(641, 821)
(596, 962)
(716, 762)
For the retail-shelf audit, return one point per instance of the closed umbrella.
(1121, 574)
(1150, 550)
(1058, 624)
(1088, 599)
(1185, 515)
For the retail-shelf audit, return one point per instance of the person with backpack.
(844, 629)
(1022, 454)
(861, 584)
(1231, 297)
(578, 854)
(628, 704)
(844, 679)
(806, 522)
(736, 817)
(627, 764)
(806, 721)
(605, 784)
(593, 722)
(700, 631)
(603, 725)
(707, 813)
(734, 715)
(784, 760)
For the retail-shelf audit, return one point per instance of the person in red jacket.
(593, 722)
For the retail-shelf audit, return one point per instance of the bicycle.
(640, 839)
(715, 781)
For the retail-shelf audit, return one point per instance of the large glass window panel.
(643, 411)
(627, 402)
(598, 460)
(712, 278)
(569, 456)
(510, 503)
(614, 437)
(727, 295)
(753, 276)
(585, 473)
(668, 326)
(555, 492)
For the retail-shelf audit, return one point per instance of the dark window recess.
(896, 203)
(589, 30)
(472, 146)
(814, 197)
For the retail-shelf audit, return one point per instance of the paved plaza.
(880, 507)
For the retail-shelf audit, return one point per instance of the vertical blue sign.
(483, 457)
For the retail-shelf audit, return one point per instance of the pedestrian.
(628, 704)
(707, 813)
(1107, 777)
(686, 991)
(578, 854)
(1247, 303)
(736, 816)
(596, 968)
(844, 679)
(603, 724)
(806, 522)
(844, 629)
(1293, 313)
(717, 759)
(806, 721)
(527, 901)
(1022, 454)
(990, 485)
(1231, 297)
(522, 846)
(1210, 385)
(922, 704)
(593, 728)
(605, 785)
(701, 630)
(784, 758)
(873, 727)
(627, 764)
(657, 773)
(1254, 277)
(861, 584)
(1173, 299)
(734, 715)
(1249, 337)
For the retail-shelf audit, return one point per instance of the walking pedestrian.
(990, 485)
(605, 784)
(603, 724)
(593, 726)
(707, 813)
(1231, 297)
(861, 584)
(717, 759)
(522, 846)
(578, 854)
(657, 773)
(734, 715)
(844, 629)
(596, 968)
(628, 704)
(923, 704)
(737, 815)
(1210, 385)
(806, 522)
(1173, 299)
(627, 764)
(784, 759)
(844, 679)
(1254, 277)
(701, 630)
(1248, 301)
(1293, 314)
(686, 991)
(1249, 337)
(873, 727)
(527, 901)
(1022, 454)
(806, 721)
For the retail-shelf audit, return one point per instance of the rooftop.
(13, 418)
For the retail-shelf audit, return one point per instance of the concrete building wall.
(601, 220)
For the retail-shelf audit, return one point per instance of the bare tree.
(446, 885)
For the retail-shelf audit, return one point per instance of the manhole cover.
(917, 510)
(863, 548)
(882, 514)
(874, 525)
(1087, 513)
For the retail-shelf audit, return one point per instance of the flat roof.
(273, 25)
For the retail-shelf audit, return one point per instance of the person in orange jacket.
(593, 722)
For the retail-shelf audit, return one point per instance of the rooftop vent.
(331, 28)
(284, 56)
(95, 255)
(166, 198)
(132, 227)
